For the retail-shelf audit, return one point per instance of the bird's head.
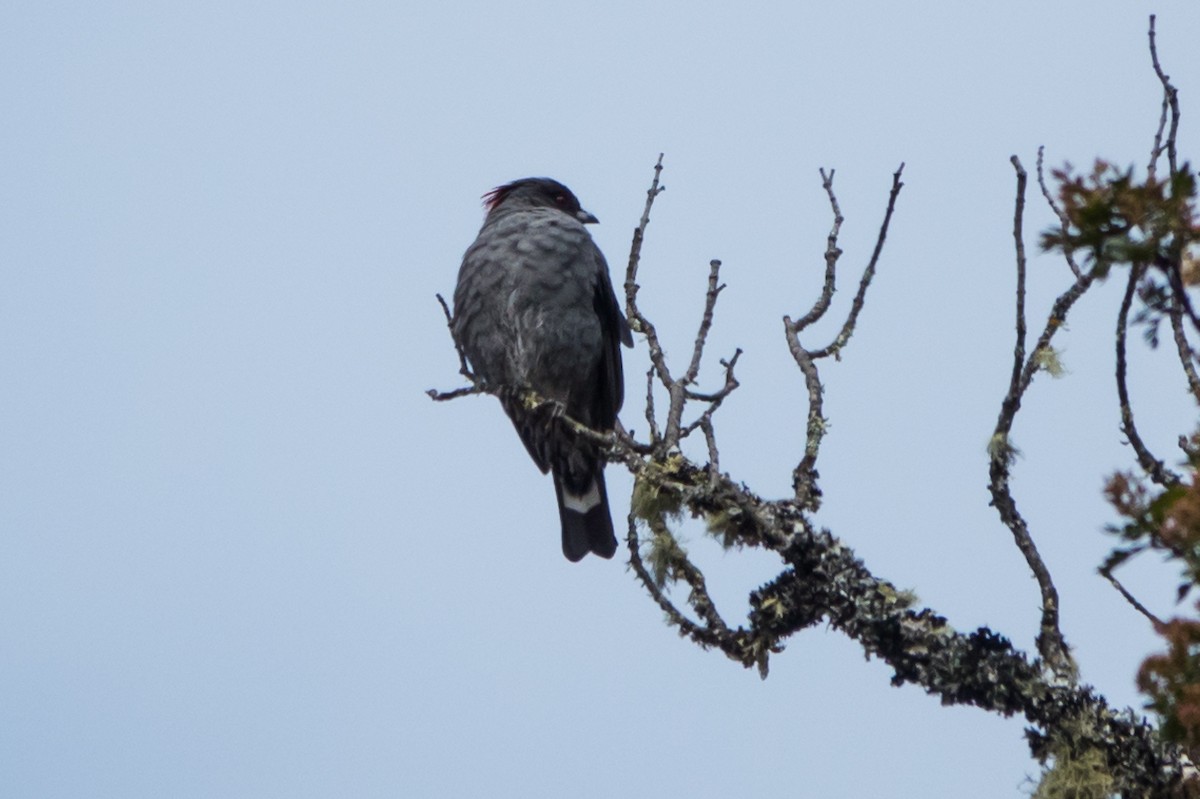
(536, 193)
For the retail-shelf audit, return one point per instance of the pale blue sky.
(243, 555)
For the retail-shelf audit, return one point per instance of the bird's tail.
(583, 508)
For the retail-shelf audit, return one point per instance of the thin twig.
(860, 296)
(463, 369)
(1187, 355)
(710, 439)
(626, 437)
(1063, 220)
(669, 440)
(1130, 598)
(724, 391)
(1019, 240)
(1171, 101)
(702, 636)
(714, 399)
(677, 390)
(639, 233)
(1156, 149)
(832, 253)
(465, 391)
(700, 600)
(710, 302)
(650, 415)
(713, 631)
(637, 320)
(1154, 468)
(1174, 273)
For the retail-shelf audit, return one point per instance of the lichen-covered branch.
(823, 582)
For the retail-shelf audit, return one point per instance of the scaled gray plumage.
(534, 309)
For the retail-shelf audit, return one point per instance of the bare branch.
(807, 492)
(628, 442)
(442, 396)
(637, 320)
(856, 307)
(1063, 220)
(704, 420)
(1154, 468)
(1019, 240)
(679, 391)
(1049, 640)
(1179, 295)
(463, 369)
(651, 418)
(639, 233)
(832, 253)
(724, 391)
(1171, 103)
(1130, 598)
(1187, 355)
(710, 302)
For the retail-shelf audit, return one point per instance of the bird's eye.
(560, 199)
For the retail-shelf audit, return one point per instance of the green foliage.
(1117, 220)
(1172, 682)
(1151, 226)
(1166, 520)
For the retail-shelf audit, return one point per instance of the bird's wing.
(610, 383)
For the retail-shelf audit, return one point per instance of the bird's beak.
(586, 218)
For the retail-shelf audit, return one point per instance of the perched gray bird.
(534, 309)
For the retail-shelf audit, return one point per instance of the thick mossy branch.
(823, 582)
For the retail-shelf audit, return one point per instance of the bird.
(534, 310)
